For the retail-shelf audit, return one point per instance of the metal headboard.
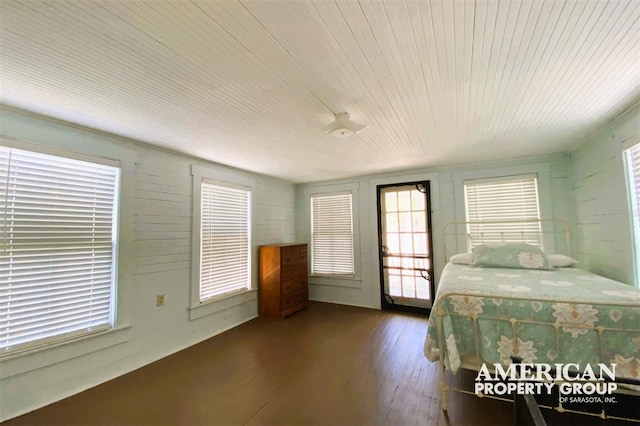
(554, 235)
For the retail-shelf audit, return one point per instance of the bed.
(537, 312)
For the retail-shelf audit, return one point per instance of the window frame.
(542, 170)
(501, 180)
(353, 281)
(634, 205)
(197, 308)
(247, 280)
(312, 254)
(86, 338)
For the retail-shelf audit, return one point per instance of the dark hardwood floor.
(327, 365)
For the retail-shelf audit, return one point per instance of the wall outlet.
(160, 300)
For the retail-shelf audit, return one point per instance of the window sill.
(221, 303)
(335, 281)
(42, 356)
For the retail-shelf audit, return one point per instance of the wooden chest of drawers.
(283, 283)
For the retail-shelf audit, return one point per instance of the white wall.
(154, 258)
(603, 216)
(447, 206)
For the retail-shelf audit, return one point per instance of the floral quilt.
(517, 312)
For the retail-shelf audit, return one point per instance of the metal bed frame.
(468, 239)
(473, 362)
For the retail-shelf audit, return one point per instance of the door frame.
(384, 305)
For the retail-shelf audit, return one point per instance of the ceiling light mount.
(343, 127)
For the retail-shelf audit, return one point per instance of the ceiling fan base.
(343, 127)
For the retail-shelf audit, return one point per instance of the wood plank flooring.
(327, 365)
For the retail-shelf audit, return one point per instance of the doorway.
(405, 246)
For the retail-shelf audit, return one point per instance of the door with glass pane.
(406, 266)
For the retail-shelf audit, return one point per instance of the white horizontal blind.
(332, 235)
(512, 199)
(224, 240)
(633, 165)
(57, 269)
(633, 177)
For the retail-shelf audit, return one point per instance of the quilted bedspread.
(561, 316)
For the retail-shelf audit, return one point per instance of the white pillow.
(462, 259)
(561, 261)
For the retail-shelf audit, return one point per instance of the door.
(404, 246)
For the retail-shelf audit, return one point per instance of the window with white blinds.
(503, 205)
(58, 255)
(632, 156)
(332, 235)
(225, 240)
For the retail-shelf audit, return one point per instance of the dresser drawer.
(294, 285)
(293, 271)
(294, 255)
(293, 300)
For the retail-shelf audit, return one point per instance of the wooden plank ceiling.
(250, 83)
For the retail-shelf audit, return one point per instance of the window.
(332, 235)
(225, 240)
(59, 244)
(632, 159)
(512, 199)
